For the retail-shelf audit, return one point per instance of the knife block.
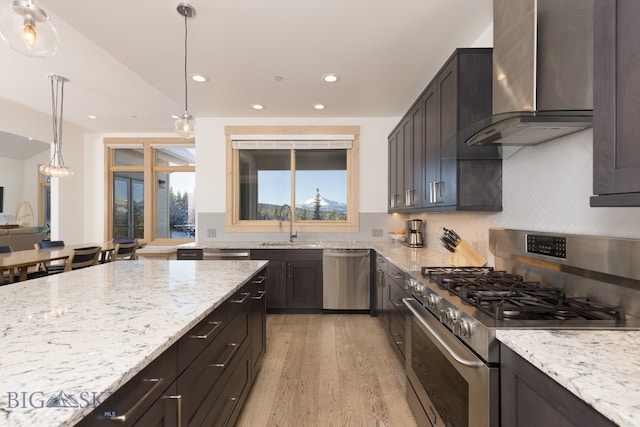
(466, 256)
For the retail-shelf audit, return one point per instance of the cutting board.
(466, 256)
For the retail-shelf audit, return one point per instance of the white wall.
(68, 193)
(10, 169)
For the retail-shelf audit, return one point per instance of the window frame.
(150, 170)
(232, 221)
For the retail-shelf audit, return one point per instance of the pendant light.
(185, 124)
(56, 168)
(26, 28)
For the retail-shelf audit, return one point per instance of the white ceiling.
(124, 59)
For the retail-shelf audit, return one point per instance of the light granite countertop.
(600, 367)
(89, 331)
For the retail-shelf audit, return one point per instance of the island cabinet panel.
(616, 135)
(128, 406)
(530, 398)
(204, 378)
(294, 279)
(258, 322)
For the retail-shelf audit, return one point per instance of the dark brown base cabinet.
(616, 155)
(390, 289)
(294, 279)
(203, 379)
(530, 398)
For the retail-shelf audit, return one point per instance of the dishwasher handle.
(346, 253)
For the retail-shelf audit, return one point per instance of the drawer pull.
(260, 295)
(234, 349)
(259, 280)
(216, 325)
(397, 341)
(397, 304)
(178, 399)
(245, 295)
(157, 382)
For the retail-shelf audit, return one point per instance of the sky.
(274, 186)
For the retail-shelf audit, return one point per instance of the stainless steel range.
(540, 280)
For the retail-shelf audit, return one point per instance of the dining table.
(21, 261)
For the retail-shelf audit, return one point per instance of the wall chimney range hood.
(542, 72)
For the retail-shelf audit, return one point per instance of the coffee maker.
(414, 237)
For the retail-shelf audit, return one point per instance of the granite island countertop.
(600, 367)
(85, 333)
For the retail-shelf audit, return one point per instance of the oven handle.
(459, 359)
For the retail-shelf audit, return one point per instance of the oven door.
(448, 384)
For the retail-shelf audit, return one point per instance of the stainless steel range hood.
(542, 71)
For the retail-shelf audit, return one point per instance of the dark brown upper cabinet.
(432, 169)
(616, 96)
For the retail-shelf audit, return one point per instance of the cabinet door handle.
(216, 325)
(260, 295)
(245, 295)
(234, 402)
(431, 192)
(437, 190)
(178, 399)
(234, 348)
(157, 382)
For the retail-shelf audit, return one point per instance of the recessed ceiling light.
(330, 78)
(319, 106)
(199, 78)
(91, 116)
(257, 106)
(174, 116)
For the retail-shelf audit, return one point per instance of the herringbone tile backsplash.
(545, 188)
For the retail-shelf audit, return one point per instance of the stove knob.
(432, 300)
(448, 316)
(462, 328)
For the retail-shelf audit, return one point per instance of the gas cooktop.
(502, 295)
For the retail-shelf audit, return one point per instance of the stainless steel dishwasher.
(346, 283)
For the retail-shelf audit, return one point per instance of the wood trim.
(149, 170)
(353, 173)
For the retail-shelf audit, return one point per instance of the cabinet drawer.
(198, 383)
(200, 336)
(190, 254)
(397, 332)
(233, 394)
(238, 301)
(133, 399)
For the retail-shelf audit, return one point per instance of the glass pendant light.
(185, 125)
(26, 28)
(56, 167)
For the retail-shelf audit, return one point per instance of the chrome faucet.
(292, 235)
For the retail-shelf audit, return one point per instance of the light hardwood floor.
(327, 370)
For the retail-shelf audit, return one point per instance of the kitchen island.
(72, 339)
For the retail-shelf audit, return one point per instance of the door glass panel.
(175, 196)
(128, 204)
(321, 185)
(265, 183)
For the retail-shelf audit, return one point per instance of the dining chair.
(83, 257)
(51, 267)
(124, 250)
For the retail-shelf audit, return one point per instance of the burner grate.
(502, 295)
